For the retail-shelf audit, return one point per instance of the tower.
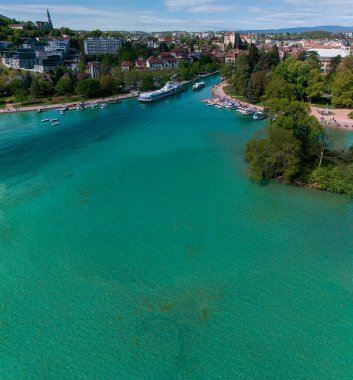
(49, 19)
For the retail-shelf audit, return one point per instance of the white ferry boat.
(198, 85)
(169, 89)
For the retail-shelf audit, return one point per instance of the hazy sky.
(182, 14)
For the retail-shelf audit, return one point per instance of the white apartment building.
(229, 38)
(109, 45)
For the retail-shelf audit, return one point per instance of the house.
(19, 26)
(125, 66)
(167, 40)
(179, 54)
(141, 64)
(231, 56)
(154, 63)
(220, 56)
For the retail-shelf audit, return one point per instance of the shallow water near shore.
(134, 246)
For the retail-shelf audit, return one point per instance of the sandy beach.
(337, 118)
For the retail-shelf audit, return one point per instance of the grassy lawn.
(46, 101)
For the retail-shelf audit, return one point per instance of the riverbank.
(12, 109)
(337, 118)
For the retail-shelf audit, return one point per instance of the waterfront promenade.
(13, 109)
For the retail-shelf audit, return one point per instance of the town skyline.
(188, 15)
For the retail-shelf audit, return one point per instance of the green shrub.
(337, 179)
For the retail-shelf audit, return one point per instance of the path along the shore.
(337, 118)
(12, 109)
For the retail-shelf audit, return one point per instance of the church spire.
(49, 18)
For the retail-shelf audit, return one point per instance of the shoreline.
(48, 107)
(338, 118)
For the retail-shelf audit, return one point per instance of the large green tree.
(65, 86)
(278, 155)
(342, 88)
(88, 87)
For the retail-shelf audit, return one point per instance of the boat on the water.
(54, 123)
(170, 88)
(260, 115)
(45, 120)
(198, 85)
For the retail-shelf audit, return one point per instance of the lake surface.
(157, 258)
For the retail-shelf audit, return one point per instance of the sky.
(188, 15)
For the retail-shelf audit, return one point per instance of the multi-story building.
(325, 55)
(40, 56)
(109, 45)
(19, 59)
(49, 64)
(162, 63)
(58, 44)
(229, 38)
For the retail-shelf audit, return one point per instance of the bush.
(337, 179)
(350, 115)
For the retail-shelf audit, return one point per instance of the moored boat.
(198, 85)
(260, 115)
(170, 88)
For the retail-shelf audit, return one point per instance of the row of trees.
(259, 75)
(63, 82)
(250, 74)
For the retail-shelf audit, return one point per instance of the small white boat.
(103, 106)
(45, 120)
(198, 85)
(260, 115)
(54, 120)
(54, 123)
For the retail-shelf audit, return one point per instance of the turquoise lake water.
(158, 258)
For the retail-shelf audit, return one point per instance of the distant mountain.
(326, 28)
